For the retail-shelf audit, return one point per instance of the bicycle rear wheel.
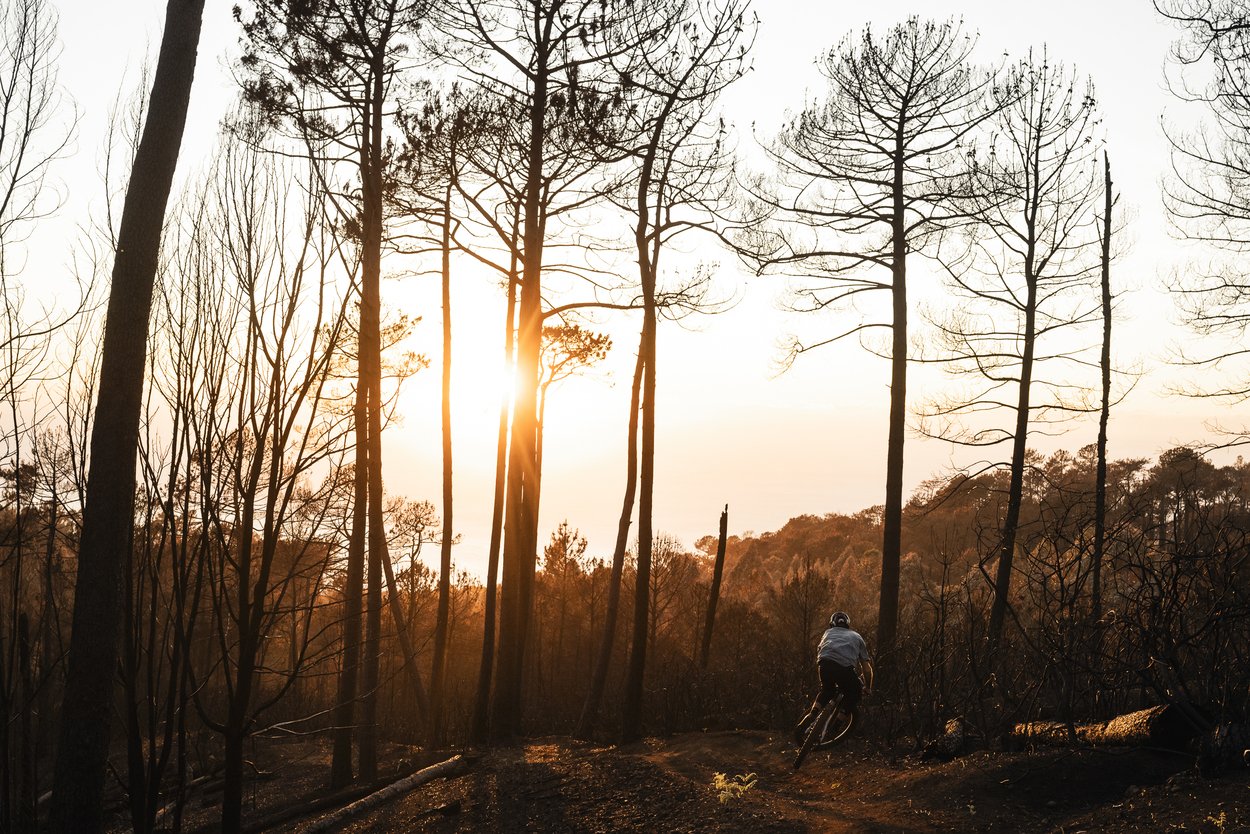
(812, 737)
(835, 727)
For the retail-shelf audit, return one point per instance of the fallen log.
(1170, 727)
(336, 820)
(320, 801)
(310, 806)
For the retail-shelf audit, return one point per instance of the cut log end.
(1227, 747)
(948, 745)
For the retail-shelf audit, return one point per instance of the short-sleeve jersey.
(842, 645)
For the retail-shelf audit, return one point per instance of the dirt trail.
(561, 785)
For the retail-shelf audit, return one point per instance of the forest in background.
(198, 553)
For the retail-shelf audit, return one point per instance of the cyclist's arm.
(866, 666)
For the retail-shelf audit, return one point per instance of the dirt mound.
(568, 786)
(699, 756)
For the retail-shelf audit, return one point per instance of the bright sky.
(730, 430)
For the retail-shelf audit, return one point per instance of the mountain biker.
(841, 650)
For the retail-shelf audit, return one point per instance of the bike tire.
(814, 731)
(835, 728)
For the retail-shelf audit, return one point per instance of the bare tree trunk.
(521, 509)
(647, 243)
(714, 592)
(590, 713)
(82, 754)
(519, 553)
(480, 730)
(892, 522)
(49, 633)
(180, 785)
(444, 565)
(232, 778)
(24, 818)
(247, 621)
(1100, 485)
(405, 640)
(1015, 490)
(372, 678)
(353, 596)
(631, 721)
(371, 358)
(136, 783)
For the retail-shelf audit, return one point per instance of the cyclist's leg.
(828, 689)
(849, 685)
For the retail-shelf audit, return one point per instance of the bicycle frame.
(828, 728)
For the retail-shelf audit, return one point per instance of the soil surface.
(563, 785)
(669, 785)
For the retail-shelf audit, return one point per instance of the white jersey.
(842, 645)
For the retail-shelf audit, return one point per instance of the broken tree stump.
(949, 744)
(1227, 747)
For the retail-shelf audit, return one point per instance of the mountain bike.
(830, 727)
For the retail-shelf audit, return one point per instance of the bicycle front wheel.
(812, 736)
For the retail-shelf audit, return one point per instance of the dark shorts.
(834, 677)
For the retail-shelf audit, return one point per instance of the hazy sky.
(730, 430)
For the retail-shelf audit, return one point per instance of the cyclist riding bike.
(841, 650)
